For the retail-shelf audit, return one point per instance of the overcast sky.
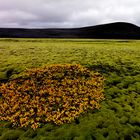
(67, 13)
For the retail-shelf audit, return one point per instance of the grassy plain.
(118, 61)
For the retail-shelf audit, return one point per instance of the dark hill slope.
(118, 30)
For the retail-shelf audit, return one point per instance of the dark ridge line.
(117, 30)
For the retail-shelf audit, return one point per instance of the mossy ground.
(118, 61)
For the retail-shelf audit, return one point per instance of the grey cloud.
(66, 13)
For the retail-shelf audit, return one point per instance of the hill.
(117, 30)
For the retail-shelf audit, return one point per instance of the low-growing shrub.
(53, 93)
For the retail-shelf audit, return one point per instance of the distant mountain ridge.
(117, 30)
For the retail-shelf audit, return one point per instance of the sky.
(67, 13)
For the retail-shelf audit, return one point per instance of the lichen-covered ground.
(117, 60)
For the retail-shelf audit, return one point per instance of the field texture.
(117, 60)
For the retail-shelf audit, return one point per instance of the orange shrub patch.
(53, 93)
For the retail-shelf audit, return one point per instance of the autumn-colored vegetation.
(53, 93)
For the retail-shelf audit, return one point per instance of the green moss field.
(117, 60)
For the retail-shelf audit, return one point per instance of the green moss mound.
(53, 93)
